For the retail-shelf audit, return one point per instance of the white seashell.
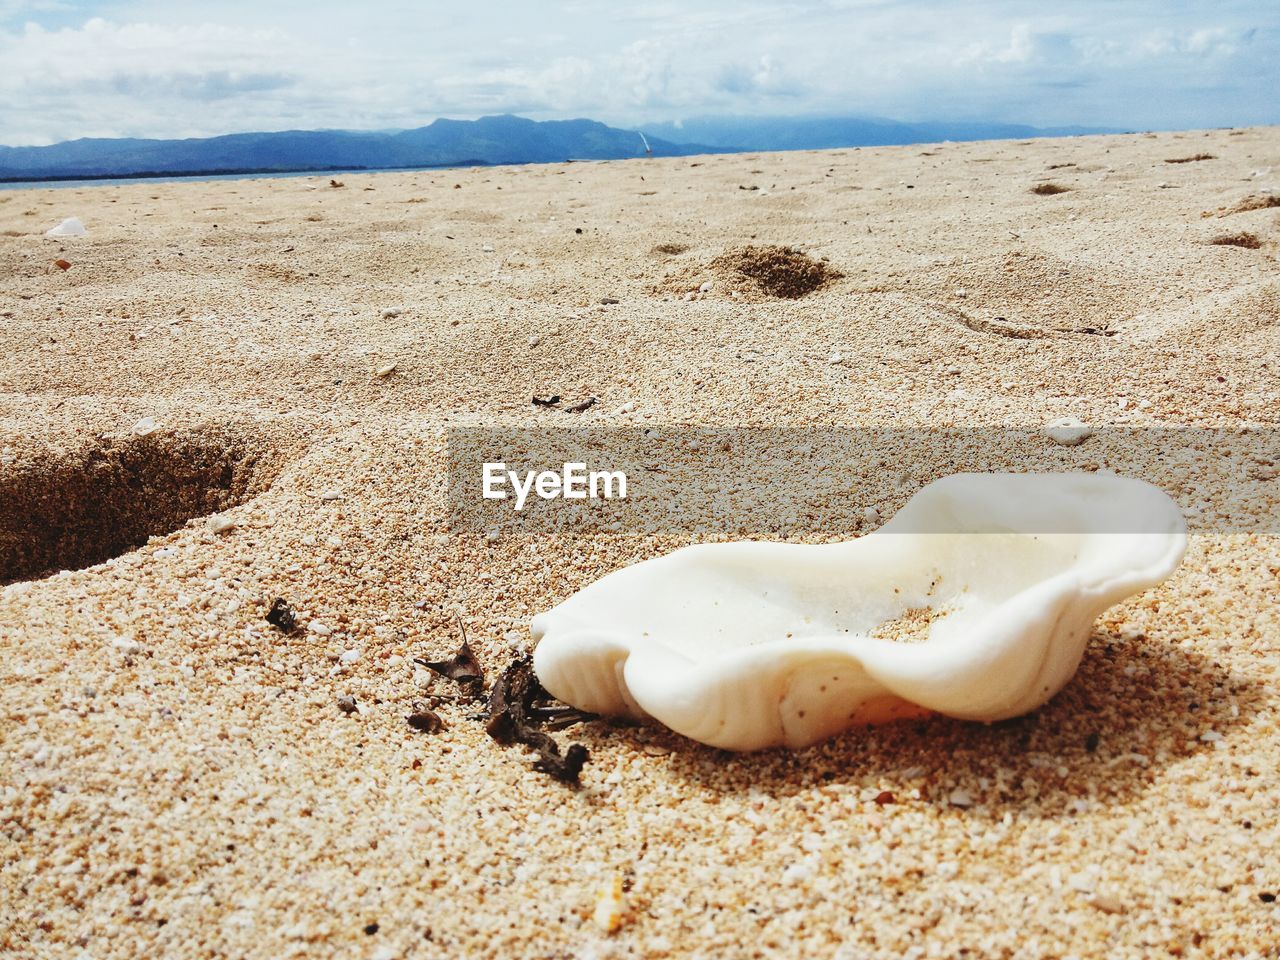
(751, 645)
(145, 426)
(70, 227)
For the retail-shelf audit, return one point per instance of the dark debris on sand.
(521, 711)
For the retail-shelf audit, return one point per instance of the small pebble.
(383, 372)
(347, 704)
(390, 312)
(220, 524)
(1068, 431)
(145, 426)
(871, 513)
(960, 798)
(610, 905)
(1106, 903)
(705, 287)
(535, 340)
(331, 495)
(349, 656)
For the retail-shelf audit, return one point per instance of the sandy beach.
(180, 778)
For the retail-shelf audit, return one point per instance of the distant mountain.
(489, 140)
(825, 133)
(504, 139)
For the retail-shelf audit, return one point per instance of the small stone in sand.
(1068, 431)
(960, 798)
(383, 372)
(391, 312)
(347, 704)
(424, 719)
(126, 645)
(220, 524)
(331, 494)
(144, 426)
(1107, 903)
(281, 615)
(610, 905)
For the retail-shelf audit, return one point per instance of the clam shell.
(751, 645)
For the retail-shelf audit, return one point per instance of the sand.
(177, 777)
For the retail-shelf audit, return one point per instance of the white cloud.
(151, 68)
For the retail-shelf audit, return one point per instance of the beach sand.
(177, 777)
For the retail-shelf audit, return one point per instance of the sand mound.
(773, 271)
(1247, 205)
(1244, 239)
(752, 272)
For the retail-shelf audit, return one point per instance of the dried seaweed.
(550, 401)
(520, 711)
(281, 616)
(581, 405)
(462, 668)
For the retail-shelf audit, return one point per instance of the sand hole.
(1244, 239)
(669, 249)
(70, 510)
(1049, 189)
(774, 271)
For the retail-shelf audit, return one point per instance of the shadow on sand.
(1132, 709)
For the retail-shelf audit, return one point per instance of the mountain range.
(488, 140)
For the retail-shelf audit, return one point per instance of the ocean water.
(119, 181)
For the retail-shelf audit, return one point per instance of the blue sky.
(166, 69)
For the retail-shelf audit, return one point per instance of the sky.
(147, 68)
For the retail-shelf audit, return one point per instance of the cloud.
(156, 68)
